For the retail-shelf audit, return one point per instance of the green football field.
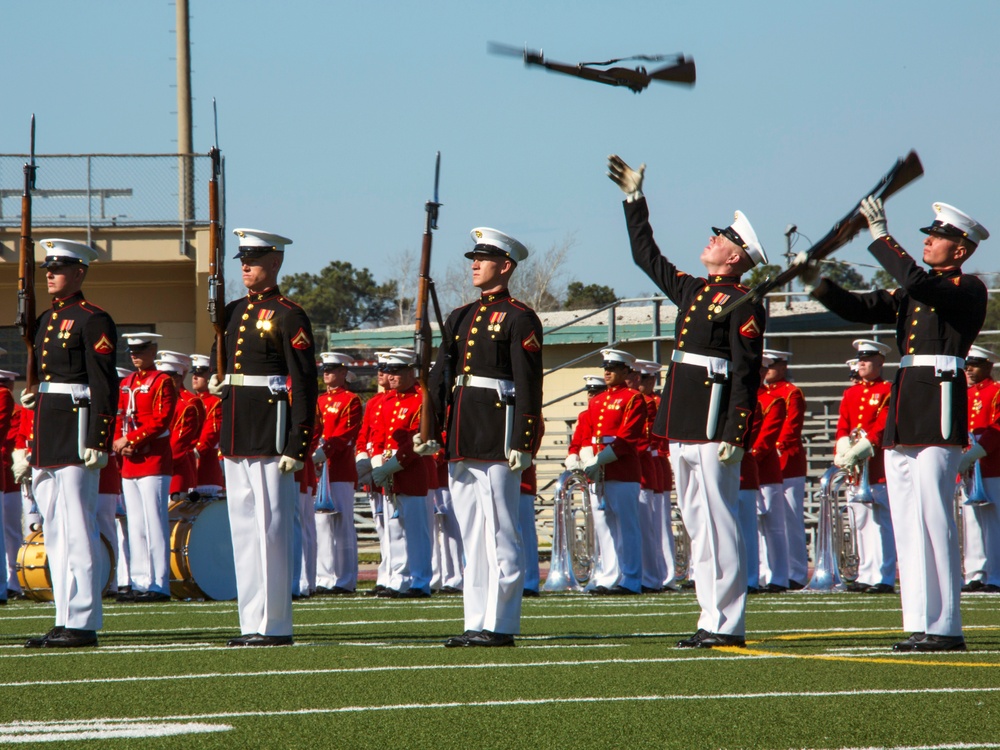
(818, 673)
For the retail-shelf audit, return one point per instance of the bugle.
(573, 541)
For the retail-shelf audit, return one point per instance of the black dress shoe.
(340, 591)
(622, 591)
(687, 585)
(910, 643)
(240, 640)
(973, 586)
(491, 640)
(457, 641)
(41, 640)
(773, 588)
(3, 601)
(530, 593)
(991, 588)
(371, 592)
(881, 588)
(262, 640)
(411, 594)
(71, 638)
(387, 593)
(599, 591)
(795, 585)
(449, 590)
(704, 639)
(151, 596)
(651, 590)
(125, 595)
(856, 587)
(940, 643)
(751, 590)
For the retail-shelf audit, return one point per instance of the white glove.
(28, 399)
(573, 463)
(458, 468)
(629, 180)
(843, 445)
(593, 467)
(364, 466)
(810, 274)
(730, 454)
(319, 455)
(860, 451)
(874, 212)
(94, 459)
(289, 465)
(425, 449)
(519, 460)
(381, 474)
(975, 452)
(20, 466)
(215, 385)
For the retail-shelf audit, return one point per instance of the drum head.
(210, 552)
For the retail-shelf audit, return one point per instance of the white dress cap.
(979, 353)
(176, 361)
(124, 372)
(66, 252)
(741, 233)
(591, 382)
(617, 355)
(853, 364)
(775, 355)
(408, 351)
(335, 358)
(647, 366)
(867, 347)
(951, 222)
(494, 242)
(201, 361)
(257, 241)
(395, 359)
(8, 375)
(138, 339)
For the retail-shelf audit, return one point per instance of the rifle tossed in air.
(216, 255)
(423, 340)
(26, 319)
(903, 172)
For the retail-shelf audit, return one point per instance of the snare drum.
(202, 565)
(33, 567)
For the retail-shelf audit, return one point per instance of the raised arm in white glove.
(628, 179)
(975, 452)
(874, 212)
(843, 445)
(215, 385)
(289, 465)
(381, 474)
(319, 455)
(810, 274)
(730, 454)
(593, 467)
(94, 459)
(27, 399)
(519, 460)
(573, 463)
(425, 449)
(20, 466)
(860, 451)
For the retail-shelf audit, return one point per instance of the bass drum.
(202, 565)
(33, 567)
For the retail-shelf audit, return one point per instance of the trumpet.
(836, 553)
(573, 542)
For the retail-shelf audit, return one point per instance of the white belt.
(606, 440)
(494, 384)
(939, 362)
(713, 365)
(76, 390)
(275, 382)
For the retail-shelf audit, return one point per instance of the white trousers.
(146, 501)
(606, 571)
(122, 570)
(668, 549)
(382, 577)
(448, 559)
(621, 510)
(337, 541)
(749, 532)
(411, 560)
(876, 545)
(12, 536)
(921, 484)
(529, 539)
(651, 530)
(981, 529)
(106, 506)
(261, 503)
(708, 496)
(486, 496)
(305, 554)
(773, 542)
(794, 489)
(67, 499)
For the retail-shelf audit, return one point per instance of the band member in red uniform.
(74, 408)
(938, 314)
(145, 415)
(188, 422)
(362, 461)
(793, 464)
(708, 402)
(450, 559)
(864, 408)
(980, 520)
(206, 449)
(749, 500)
(10, 500)
(771, 496)
(651, 508)
(339, 413)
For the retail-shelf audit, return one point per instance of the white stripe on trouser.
(772, 539)
(261, 503)
(448, 557)
(529, 540)
(607, 573)
(749, 532)
(304, 553)
(337, 540)
(669, 552)
(106, 506)
(981, 527)
(654, 567)
(486, 495)
(708, 496)
(67, 499)
(921, 483)
(794, 489)
(146, 500)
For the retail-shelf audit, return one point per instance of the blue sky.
(330, 114)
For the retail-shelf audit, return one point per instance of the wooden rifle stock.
(216, 264)
(903, 172)
(26, 317)
(422, 338)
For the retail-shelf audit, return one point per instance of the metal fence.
(108, 190)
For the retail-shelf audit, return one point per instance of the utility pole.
(185, 145)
